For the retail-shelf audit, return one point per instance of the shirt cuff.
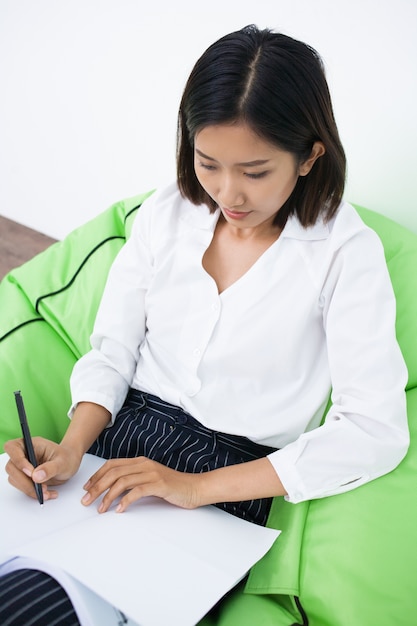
(102, 400)
(284, 463)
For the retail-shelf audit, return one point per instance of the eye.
(256, 176)
(206, 166)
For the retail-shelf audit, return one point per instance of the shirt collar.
(199, 216)
(293, 229)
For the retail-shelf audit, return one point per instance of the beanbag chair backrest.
(48, 308)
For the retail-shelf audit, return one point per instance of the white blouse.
(315, 312)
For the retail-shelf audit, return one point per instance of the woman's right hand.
(56, 464)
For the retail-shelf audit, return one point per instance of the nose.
(230, 193)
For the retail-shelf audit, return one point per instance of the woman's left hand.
(134, 478)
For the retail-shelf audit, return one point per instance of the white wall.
(89, 91)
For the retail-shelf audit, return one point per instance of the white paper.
(26, 519)
(158, 563)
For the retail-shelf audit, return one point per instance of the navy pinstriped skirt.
(148, 426)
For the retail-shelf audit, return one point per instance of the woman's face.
(248, 178)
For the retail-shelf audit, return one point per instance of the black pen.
(30, 452)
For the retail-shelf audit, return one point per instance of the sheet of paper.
(23, 519)
(156, 562)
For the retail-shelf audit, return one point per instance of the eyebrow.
(245, 164)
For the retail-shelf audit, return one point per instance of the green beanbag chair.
(47, 311)
(346, 560)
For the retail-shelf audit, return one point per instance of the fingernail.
(87, 484)
(86, 499)
(27, 472)
(39, 476)
(119, 508)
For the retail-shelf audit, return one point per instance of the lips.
(236, 215)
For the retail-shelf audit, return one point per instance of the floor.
(19, 244)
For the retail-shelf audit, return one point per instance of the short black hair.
(275, 85)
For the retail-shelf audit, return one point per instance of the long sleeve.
(365, 432)
(105, 373)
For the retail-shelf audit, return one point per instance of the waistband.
(176, 415)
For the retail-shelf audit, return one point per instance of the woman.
(247, 291)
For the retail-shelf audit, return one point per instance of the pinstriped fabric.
(32, 598)
(148, 426)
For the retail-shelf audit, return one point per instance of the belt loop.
(181, 417)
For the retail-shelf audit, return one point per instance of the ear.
(317, 151)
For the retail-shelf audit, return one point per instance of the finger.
(44, 450)
(150, 478)
(50, 471)
(49, 494)
(133, 495)
(132, 488)
(111, 464)
(113, 469)
(56, 463)
(115, 479)
(20, 480)
(178, 488)
(16, 451)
